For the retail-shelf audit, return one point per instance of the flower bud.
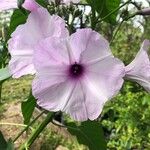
(145, 11)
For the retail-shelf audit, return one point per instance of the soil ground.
(11, 123)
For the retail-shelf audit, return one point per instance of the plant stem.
(93, 19)
(37, 131)
(14, 124)
(117, 30)
(114, 11)
(28, 126)
(1, 85)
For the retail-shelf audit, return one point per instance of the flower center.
(76, 70)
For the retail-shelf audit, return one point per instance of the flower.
(40, 24)
(139, 69)
(10, 4)
(76, 75)
(30, 5)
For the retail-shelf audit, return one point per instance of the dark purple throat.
(76, 70)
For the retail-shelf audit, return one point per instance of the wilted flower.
(139, 69)
(77, 75)
(10, 4)
(39, 25)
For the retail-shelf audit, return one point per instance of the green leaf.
(27, 108)
(4, 74)
(10, 145)
(104, 7)
(18, 17)
(109, 6)
(89, 133)
(146, 100)
(43, 3)
(3, 143)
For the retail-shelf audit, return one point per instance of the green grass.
(16, 89)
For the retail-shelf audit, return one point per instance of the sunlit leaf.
(43, 3)
(10, 145)
(3, 143)
(27, 108)
(104, 7)
(89, 133)
(4, 74)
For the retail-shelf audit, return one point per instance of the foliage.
(27, 108)
(4, 74)
(126, 119)
(88, 133)
(4, 145)
(105, 7)
(127, 44)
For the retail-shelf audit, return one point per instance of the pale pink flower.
(30, 5)
(40, 24)
(77, 75)
(139, 69)
(10, 4)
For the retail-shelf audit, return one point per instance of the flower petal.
(30, 5)
(52, 94)
(21, 65)
(10, 4)
(104, 79)
(94, 103)
(50, 86)
(7, 4)
(76, 106)
(139, 69)
(50, 53)
(89, 46)
(39, 25)
(106, 76)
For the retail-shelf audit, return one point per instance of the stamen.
(76, 70)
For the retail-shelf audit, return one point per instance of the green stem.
(114, 11)
(117, 30)
(1, 85)
(93, 19)
(14, 124)
(28, 126)
(37, 131)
